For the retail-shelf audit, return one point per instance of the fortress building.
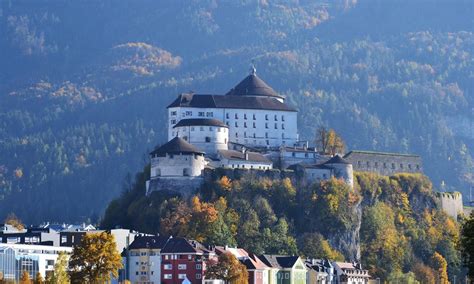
(251, 128)
(255, 114)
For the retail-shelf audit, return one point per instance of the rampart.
(386, 164)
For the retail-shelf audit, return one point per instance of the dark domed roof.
(176, 145)
(336, 160)
(200, 122)
(252, 85)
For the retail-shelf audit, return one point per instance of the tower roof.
(252, 85)
(336, 160)
(176, 145)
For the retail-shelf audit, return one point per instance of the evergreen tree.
(467, 244)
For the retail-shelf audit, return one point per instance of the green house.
(285, 269)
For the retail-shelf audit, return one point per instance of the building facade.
(255, 114)
(16, 258)
(384, 163)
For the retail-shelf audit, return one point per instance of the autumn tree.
(96, 259)
(59, 274)
(329, 142)
(441, 268)
(14, 221)
(229, 269)
(423, 273)
(467, 244)
(39, 278)
(25, 277)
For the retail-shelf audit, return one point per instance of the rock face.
(348, 241)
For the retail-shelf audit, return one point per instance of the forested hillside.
(392, 224)
(84, 85)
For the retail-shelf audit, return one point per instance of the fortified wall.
(451, 203)
(386, 164)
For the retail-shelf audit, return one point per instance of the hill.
(83, 101)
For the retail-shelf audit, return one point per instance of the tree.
(229, 269)
(467, 244)
(440, 265)
(59, 274)
(25, 277)
(14, 221)
(96, 259)
(423, 273)
(39, 278)
(329, 142)
(314, 245)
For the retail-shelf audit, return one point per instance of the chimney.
(305, 146)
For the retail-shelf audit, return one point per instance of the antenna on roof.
(253, 70)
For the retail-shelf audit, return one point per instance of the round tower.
(342, 169)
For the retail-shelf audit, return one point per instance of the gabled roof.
(231, 102)
(176, 145)
(252, 85)
(200, 122)
(238, 155)
(279, 261)
(150, 242)
(181, 245)
(336, 160)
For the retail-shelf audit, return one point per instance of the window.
(208, 139)
(245, 116)
(136, 273)
(192, 128)
(409, 166)
(218, 129)
(282, 118)
(254, 126)
(236, 116)
(384, 165)
(236, 134)
(173, 121)
(49, 262)
(198, 276)
(368, 164)
(282, 126)
(63, 239)
(190, 257)
(245, 124)
(393, 165)
(181, 276)
(276, 125)
(417, 167)
(276, 117)
(167, 276)
(306, 155)
(185, 138)
(245, 134)
(376, 164)
(168, 267)
(227, 115)
(283, 136)
(254, 117)
(266, 134)
(210, 128)
(173, 113)
(143, 253)
(189, 113)
(254, 136)
(201, 128)
(166, 257)
(266, 116)
(201, 113)
(293, 154)
(182, 266)
(268, 142)
(209, 114)
(359, 163)
(266, 125)
(401, 166)
(236, 124)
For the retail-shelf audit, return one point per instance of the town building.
(184, 259)
(318, 271)
(33, 235)
(243, 159)
(286, 269)
(142, 260)
(16, 258)
(350, 273)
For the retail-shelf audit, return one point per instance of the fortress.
(251, 129)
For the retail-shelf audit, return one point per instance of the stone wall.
(386, 164)
(213, 174)
(451, 203)
(185, 186)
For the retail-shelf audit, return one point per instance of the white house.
(350, 273)
(256, 115)
(242, 160)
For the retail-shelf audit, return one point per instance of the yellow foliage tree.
(225, 183)
(95, 260)
(14, 221)
(25, 278)
(441, 267)
(39, 278)
(229, 269)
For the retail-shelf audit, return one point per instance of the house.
(259, 272)
(184, 259)
(350, 273)
(318, 272)
(285, 269)
(32, 235)
(256, 115)
(142, 260)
